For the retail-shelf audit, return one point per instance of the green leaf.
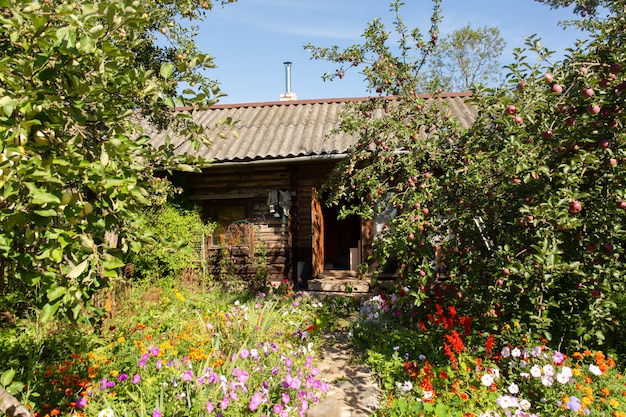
(55, 293)
(46, 213)
(41, 197)
(8, 105)
(167, 68)
(48, 311)
(7, 377)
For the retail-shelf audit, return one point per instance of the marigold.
(463, 396)
(614, 403)
(606, 392)
(577, 355)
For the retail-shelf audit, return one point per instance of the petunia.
(136, 379)
(210, 407)
(157, 413)
(81, 402)
(255, 401)
(486, 380)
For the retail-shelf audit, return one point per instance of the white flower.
(547, 380)
(535, 371)
(506, 352)
(516, 353)
(427, 395)
(107, 412)
(405, 386)
(513, 388)
(524, 404)
(486, 380)
(594, 369)
(565, 375)
(507, 401)
(548, 370)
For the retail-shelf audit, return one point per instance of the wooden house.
(260, 189)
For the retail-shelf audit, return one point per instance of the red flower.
(489, 344)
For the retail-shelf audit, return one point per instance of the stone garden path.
(353, 391)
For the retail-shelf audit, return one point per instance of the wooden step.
(339, 281)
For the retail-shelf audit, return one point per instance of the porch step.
(339, 281)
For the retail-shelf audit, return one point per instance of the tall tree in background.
(465, 58)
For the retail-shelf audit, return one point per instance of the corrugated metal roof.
(287, 129)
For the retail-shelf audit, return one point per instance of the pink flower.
(224, 403)
(136, 379)
(256, 401)
(187, 376)
(209, 407)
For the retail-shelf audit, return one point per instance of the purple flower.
(187, 376)
(143, 360)
(122, 377)
(157, 413)
(81, 402)
(136, 379)
(159, 364)
(558, 358)
(154, 351)
(224, 403)
(573, 404)
(240, 374)
(106, 384)
(244, 353)
(256, 401)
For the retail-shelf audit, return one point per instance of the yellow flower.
(614, 403)
(114, 373)
(121, 339)
(179, 295)
(586, 401)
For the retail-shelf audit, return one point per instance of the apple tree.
(75, 77)
(519, 217)
(549, 152)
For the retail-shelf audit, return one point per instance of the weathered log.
(10, 406)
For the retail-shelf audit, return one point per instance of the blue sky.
(251, 39)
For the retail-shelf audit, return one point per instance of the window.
(224, 213)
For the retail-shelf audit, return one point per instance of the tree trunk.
(10, 406)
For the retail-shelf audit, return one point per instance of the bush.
(175, 234)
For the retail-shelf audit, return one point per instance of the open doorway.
(342, 241)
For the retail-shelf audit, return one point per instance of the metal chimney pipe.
(288, 76)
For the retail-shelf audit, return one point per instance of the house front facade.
(261, 188)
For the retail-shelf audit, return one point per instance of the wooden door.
(317, 227)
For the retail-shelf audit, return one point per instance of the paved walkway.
(353, 391)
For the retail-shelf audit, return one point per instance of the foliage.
(178, 351)
(465, 58)
(74, 163)
(518, 217)
(177, 235)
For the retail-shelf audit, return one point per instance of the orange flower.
(55, 412)
(463, 396)
(577, 355)
(606, 392)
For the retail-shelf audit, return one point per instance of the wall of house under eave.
(250, 184)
